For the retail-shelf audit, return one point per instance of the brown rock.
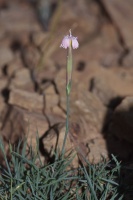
(14, 66)
(22, 80)
(54, 118)
(122, 15)
(125, 74)
(13, 126)
(89, 106)
(3, 83)
(2, 104)
(102, 85)
(83, 103)
(79, 13)
(31, 56)
(2, 34)
(100, 81)
(53, 140)
(101, 89)
(45, 73)
(2, 109)
(122, 118)
(83, 131)
(89, 144)
(19, 124)
(36, 124)
(97, 150)
(105, 45)
(38, 38)
(88, 116)
(128, 60)
(84, 147)
(27, 100)
(1, 72)
(51, 98)
(18, 19)
(6, 56)
(51, 106)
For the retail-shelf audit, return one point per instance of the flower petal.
(75, 43)
(65, 42)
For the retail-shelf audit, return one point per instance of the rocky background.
(32, 76)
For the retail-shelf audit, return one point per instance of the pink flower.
(75, 43)
(69, 40)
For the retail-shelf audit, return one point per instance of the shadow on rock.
(118, 128)
(118, 132)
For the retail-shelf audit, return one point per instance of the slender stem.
(67, 123)
(68, 90)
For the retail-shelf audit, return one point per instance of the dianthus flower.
(68, 41)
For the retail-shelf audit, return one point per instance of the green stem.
(67, 124)
(68, 90)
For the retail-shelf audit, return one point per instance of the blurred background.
(32, 73)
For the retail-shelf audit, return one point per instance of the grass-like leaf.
(23, 179)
